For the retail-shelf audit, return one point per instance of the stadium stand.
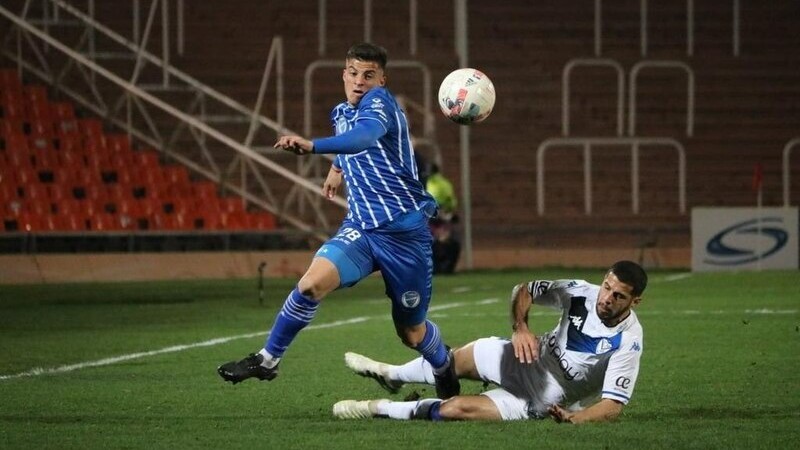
(745, 110)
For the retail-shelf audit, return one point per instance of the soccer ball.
(466, 96)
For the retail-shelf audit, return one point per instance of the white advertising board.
(744, 239)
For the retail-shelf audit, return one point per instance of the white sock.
(269, 360)
(396, 410)
(415, 371)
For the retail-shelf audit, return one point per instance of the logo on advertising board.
(736, 238)
(726, 249)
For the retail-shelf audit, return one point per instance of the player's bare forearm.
(602, 411)
(521, 302)
(526, 346)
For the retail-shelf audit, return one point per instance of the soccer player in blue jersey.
(386, 226)
(584, 370)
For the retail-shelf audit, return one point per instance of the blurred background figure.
(446, 246)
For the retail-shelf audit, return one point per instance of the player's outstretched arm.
(526, 346)
(332, 182)
(602, 411)
(295, 144)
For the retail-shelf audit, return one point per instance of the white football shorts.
(525, 390)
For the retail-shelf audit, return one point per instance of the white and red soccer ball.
(466, 96)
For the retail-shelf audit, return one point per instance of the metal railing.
(587, 144)
(643, 27)
(136, 97)
(662, 64)
(322, 31)
(787, 150)
(565, 90)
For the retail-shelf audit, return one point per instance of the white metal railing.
(787, 150)
(137, 94)
(587, 144)
(643, 27)
(664, 64)
(322, 30)
(565, 90)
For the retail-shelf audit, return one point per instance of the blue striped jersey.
(382, 180)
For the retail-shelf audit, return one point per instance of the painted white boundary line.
(179, 348)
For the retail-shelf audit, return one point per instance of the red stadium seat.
(35, 93)
(51, 222)
(62, 110)
(204, 190)
(69, 206)
(58, 192)
(231, 204)
(41, 142)
(28, 222)
(72, 222)
(146, 159)
(263, 221)
(11, 126)
(10, 81)
(17, 143)
(38, 206)
(35, 191)
(104, 222)
(90, 128)
(163, 221)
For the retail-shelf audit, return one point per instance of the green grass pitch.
(132, 365)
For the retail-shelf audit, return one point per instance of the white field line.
(179, 348)
(676, 277)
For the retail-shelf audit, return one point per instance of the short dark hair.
(368, 52)
(631, 274)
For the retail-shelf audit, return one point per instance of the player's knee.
(409, 338)
(312, 288)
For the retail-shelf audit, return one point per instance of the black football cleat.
(447, 384)
(249, 367)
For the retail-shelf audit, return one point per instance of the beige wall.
(55, 268)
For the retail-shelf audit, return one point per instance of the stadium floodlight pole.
(462, 50)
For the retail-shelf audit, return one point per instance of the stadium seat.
(41, 127)
(163, 221)
(63, 175)
(90, 128)
(26, 175)
(10, 81)
(235, 220)
(204, 190)
(34, 191)
(35, 93)
(231, 205)
(58, 192)
(72, 221)
(41, 142)
(51, 222)
(69, 206)
(16, 143)
(146, 159)
(38, 206)
(103, 222)
(262, 220)
(28, 222)
(11, 126)
(62, 110)
(13, 107)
